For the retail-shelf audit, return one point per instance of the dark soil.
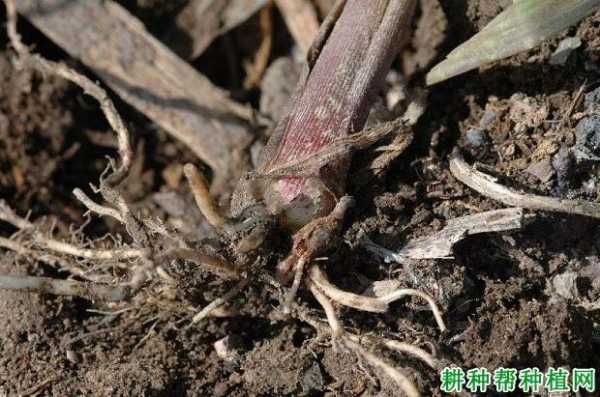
(502, 296)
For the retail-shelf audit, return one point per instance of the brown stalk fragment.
(202, 21)
(325, 6)
(256, 68)
(440, 245)
(140, 69)
(301, 19)
(347, 64)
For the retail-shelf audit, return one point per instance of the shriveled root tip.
(204, 201)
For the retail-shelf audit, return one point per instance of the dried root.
(119, 210)
(353, 343)
(204, 201)
(488, 186)
(309, 243)
(337, 331)
(365, 303)
(59, 247)
(142, 259)
(27, 60)
(92, 291)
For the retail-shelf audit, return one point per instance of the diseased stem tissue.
(347, 65)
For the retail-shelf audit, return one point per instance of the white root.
(336, 327)
(93, 291)
(345, 298)
(122, 211)
(8, 215)
(299, 272)
(94, 254)
(13, 246)
(206, 311)
(401, 293)
(27, 60)
(52, 260)
(411, 350)
(95, 207)
(45, 67)
(352, 342)
(406, 385)
(377, 305)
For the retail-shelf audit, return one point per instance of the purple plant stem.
(334, 101)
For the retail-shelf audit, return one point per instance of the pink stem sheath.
(331, 101)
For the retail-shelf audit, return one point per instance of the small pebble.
(563, 165)
(475, 138)
(590, 187)
(228, 348)
(312, 379)
(565, 285)
(592, 99)
(587, 136)
(488, 118)
(565, 47)
(542, 170)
